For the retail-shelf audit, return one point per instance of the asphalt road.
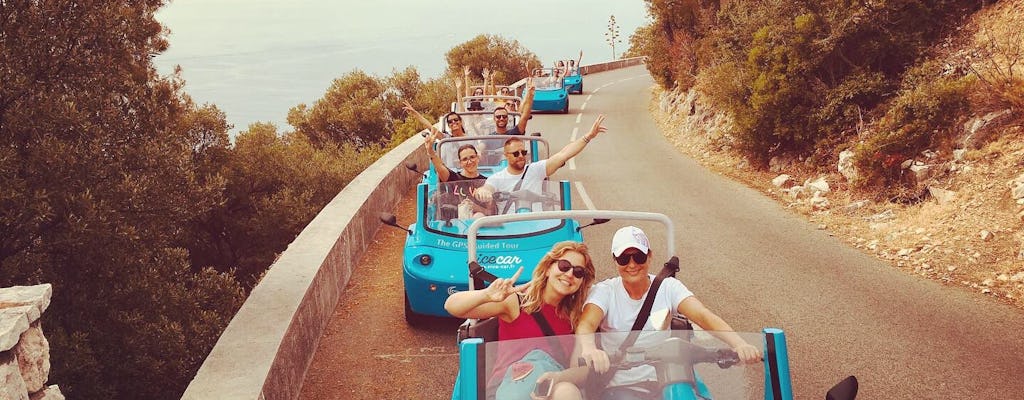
(748, 259)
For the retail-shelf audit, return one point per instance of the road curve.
(751, 261)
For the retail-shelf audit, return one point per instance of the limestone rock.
(37, 296)
(13, 322)
(978, 129)
(783, 181)
(817, 185)
(845, 166)
(942, 196)
(985, 235)
(11, 385)
(33, 354)
(819, 202)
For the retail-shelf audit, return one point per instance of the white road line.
(575, 131)
(583, 107)
(590, 97)
(578, 116)
(595, 90)
(583, 195)
(572, 164)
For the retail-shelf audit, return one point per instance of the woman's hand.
(597, 128)
(748, 353)
(428, 142)
(500, 289)
(554, 377)
(597, 359)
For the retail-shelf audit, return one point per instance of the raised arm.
(465, 74)
(419, 117)
(459, 94)
(494, 300)
(570, 150)
(488, 81)
(527, 106)
(579, 60)
(443, 173)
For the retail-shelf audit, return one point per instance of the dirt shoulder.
(973, 242)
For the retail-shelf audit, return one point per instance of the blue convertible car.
(550, 95)
(573, 81)
(434, 261)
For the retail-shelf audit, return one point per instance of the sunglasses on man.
(519, 153)
(501, 116)
(577, 271)
(637, 257)
(452, 121)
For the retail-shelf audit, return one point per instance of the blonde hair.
(571, 306)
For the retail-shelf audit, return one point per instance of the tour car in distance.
(573, 81)
(550, 94)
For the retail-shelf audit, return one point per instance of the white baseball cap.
(627, 237)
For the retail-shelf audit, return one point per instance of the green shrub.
(922, 116)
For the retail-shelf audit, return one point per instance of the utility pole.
(612, 36)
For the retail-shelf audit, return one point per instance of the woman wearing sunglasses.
(556, 293)
(614, 303)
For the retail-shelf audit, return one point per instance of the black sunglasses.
(452, 121)
(519, 153)
(501, 117)
(577, 271)
(638, 257)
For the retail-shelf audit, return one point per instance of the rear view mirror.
(844, 390)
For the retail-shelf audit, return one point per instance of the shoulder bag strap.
(550, 333)
(669, 269)
(508, 204)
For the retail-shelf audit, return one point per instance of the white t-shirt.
(610, 294)
(502, 181)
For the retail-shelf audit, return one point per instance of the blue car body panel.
(573, 84)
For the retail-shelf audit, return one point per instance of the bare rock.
(845, 166)
(37, 296)
(1017, 188)
(817, 185)
(1018, 277)
(819, 202)
(985, 235)
(783, 181)
(942, 196)
(977, 130)
(33, 354)
(959, 154)
(883, 216)
(13, 322)
(12, 386)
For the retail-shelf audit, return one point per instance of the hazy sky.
(256, 59)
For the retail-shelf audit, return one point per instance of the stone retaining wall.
(24, 351)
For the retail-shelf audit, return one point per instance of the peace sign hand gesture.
(500, 289)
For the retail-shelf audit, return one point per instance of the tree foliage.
(100, 169)
(808, 72)
(505, 57)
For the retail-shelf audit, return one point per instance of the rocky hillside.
(964, 223)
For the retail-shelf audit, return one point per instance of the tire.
(581, 88)
(565, 110)
(412, 318)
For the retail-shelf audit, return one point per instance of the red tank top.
(524, 327)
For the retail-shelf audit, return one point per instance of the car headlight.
(425, 259)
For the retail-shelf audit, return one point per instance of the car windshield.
(487, 103)
(452, 207)
(547, 79)
(690, 358)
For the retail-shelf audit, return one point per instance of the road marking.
(583, 107)
(578, 116)
(589, 97)
(595, 90)
(572, 163)
(583, 195)
(575, 131)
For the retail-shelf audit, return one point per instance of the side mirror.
(412, 167)
(390, 220)
(844, 390)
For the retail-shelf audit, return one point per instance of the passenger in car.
(559, 285)
(574, 65)
(501, 114)
(522, 176)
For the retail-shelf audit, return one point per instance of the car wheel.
(565, 110)
(581, 87)
(412, 318)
